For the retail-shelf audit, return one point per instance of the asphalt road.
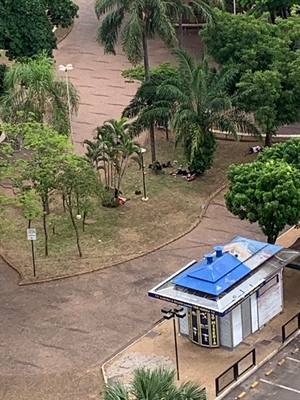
(282, 384)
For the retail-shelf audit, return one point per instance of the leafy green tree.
(288, 151)
(40, 170)
(197, 104)
(31, 87)
(78, 183)
(26, 27)
(147, 93)
(267, 193)
(145, 19)
(275, 8)
(268, 62)
(111, 151)
(242, 41)
(151, 385)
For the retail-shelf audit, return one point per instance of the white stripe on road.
(293, 359)
(280, 386)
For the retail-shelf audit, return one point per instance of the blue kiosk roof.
(214, 278)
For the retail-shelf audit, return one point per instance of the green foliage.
(203, 156)
(156, 384)
(78, 183)
(195, 103)
(2, 72)
(110, 152)
(288, 151)
(38, 172)
(273, 7)
(144, 20)
(267, 193)
(26, 26)
(163, 71)
(32, 88)
(61, 12)
(268, 60)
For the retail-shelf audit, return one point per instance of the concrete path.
(49, 330)
(54, 336)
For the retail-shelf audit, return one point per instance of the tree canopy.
(196, 101)
(32, 89)
(267, 58)
(26, 27)
(267, 193)
(152, 385)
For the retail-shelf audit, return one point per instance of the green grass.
(125, 232)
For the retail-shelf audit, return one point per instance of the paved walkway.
(54, 336)
(75, 324)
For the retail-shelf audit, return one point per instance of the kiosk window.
(272, 282)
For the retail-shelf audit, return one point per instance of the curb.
(201, 216)
(160, 322)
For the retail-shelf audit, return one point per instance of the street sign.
(31, 234)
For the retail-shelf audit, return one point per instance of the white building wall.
(225, 331)
(184, 323)
(270, 303)
(237, 331)
(254, 312)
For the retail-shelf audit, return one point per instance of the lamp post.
(234, 7)
(171, 314)
(67, 68)
(144, 198)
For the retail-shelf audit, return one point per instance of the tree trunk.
(69, 202)
(180, 33)
(147, 77)
(83, 220)
(268, 140)
(167, 133)
(47, 208)
(146, 57)
(271, 239)
(64, 202)
(45, 225)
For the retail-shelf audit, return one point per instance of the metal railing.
(233, 373)
(290, 327)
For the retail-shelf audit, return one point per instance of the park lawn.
(120, 234)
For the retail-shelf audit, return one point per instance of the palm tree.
(152, 385)
(145, 18)
(31, 87)
(198, 102)
(111, 151)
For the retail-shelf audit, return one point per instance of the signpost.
(31, 235)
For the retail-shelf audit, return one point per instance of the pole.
(234, 7)
(33, 257)
(176, 349)
(69, 106)
(32, 250)
(145, 198)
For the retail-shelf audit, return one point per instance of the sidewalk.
(201, 364)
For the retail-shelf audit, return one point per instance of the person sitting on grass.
(253, 150)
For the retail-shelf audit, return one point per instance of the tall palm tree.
(145, 18)
(153, 385)
(198, 102)
(31, 87)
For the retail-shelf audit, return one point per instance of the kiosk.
(230, 293)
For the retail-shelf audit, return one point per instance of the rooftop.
(221, 280)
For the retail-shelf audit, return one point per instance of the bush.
(203, 157)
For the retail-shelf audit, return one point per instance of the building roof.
(213, 278)
(219, 282)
